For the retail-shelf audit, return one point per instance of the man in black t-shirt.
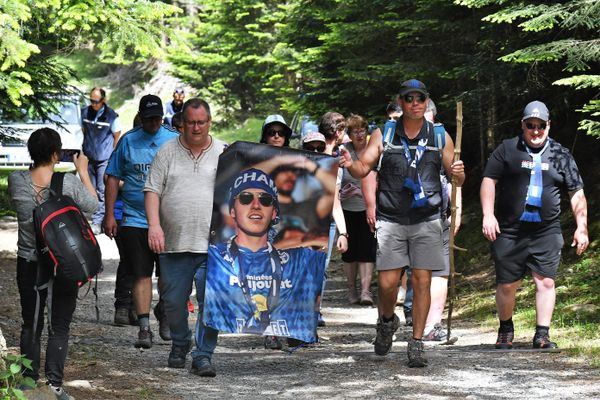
(529, 171)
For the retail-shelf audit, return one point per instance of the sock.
(507, 326)
(144, 320)
(542, 330)
(386, 319)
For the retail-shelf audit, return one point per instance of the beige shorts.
(419, 246)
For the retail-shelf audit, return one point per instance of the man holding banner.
(253, 287)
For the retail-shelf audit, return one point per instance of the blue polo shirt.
(130, 163)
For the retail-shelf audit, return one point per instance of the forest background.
(252, 58)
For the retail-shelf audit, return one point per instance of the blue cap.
(253, 179)
(413, 85)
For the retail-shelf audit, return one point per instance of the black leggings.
(64, 299)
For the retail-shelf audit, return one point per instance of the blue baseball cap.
(413, 85)
(253, 179)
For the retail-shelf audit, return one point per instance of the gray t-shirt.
(351, 188)
(185, 186)
(22, 196)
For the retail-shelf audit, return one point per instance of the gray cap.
(536, 109)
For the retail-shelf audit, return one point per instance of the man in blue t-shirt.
(253, 287)
(130, 163)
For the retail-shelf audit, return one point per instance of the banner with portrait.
(268, 240)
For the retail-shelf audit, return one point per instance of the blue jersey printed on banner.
(240, 296)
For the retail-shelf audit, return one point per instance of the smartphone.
(67, 155)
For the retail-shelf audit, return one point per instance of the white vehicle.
(13, 142)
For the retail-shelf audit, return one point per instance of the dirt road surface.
(103, 364)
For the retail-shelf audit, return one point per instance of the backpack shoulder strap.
(439, 136)
(56, 184)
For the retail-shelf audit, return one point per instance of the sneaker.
(164, 331)
(385, 335)
(543, 342)
(144, 340)
(59, 392)
(320, 321)
(178, 354)
(273, 343)
(437, 334)
(505, 340)
(96, 229)
(366, 298)
(121, 317)
(401, 296)
(416, 354)
(408, 318)
(202, 366)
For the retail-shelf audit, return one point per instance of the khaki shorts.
(419, 246)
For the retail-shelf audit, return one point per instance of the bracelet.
(344, 235)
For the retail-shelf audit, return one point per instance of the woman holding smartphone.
(28, 189)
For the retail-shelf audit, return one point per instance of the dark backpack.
(64, 238)
(66, 246)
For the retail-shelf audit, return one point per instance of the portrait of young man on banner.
(253, 284)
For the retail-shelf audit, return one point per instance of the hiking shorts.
(515, 254)
(418, 246)
(136, 251)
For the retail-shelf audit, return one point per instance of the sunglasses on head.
(319, 147)
(539, 127)
(265, 199)
(409, 98)
(273, 132)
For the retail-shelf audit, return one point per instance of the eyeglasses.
(191, 124)
(265, 199)
(539, 127)
(409, 98)
(319, 147)
(96, 101)
(358, 132)
(275, 132)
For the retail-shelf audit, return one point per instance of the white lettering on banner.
(258, 282)
(529, 165)
(251, 176)
(280, 328)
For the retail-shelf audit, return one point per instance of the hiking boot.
(202, 366)
(385, 335)
(408, 318)
(437, 334)
(416, 354)
(273, 343)
(121, 317)
(133, 320)
(366, 298)
(505, 340)
(542, 341)
(164, 331)
(353, 297)
(59, 392)
(178, 354)
(144, 340)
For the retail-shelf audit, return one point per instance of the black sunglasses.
(318, 147)
(273, 132)
(265, 199)
(96, 101)
(539, 127)
(409, 98)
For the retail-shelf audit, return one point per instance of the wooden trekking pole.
(451, 291)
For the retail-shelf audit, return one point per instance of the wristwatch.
(345, 234)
